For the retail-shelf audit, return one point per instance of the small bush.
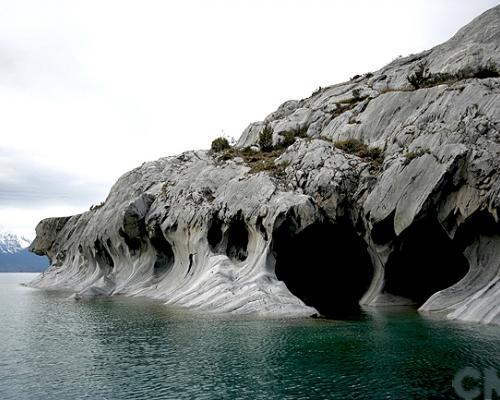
(421, 77)
(418, 77)
(375, 154)
(301, 131)
(412, 155)
(490, 70)
(317, 91)
(266, 139)
(289, 137)
(351, 146)
(220, 144)
(257, 161)
(358, 148)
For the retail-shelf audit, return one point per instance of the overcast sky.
(91, 89)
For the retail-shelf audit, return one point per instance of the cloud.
(89, 90)
(24, 183)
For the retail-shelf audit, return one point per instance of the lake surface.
(52, 347)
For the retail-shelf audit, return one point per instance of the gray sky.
(91, 89)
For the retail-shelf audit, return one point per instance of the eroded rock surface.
(318, 229)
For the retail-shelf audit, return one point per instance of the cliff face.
(390, 194)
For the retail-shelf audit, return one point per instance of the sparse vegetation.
(360, 149)
(421, 74)
(266, 139)
(164, 190)
(220, 144)
(344, 106)
(317, 91)
(356, 93)
(301, 131)
(289, 137)
(257, 161)
(422, 77)
(411, 155)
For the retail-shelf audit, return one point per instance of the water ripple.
(55, 348)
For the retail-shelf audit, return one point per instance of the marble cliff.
(383, 190)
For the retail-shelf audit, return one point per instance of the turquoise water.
(55, 348)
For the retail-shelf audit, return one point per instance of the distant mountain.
(15, 257)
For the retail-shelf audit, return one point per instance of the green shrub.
(266, 138)
(412, 155)
(317, 91)
(490, 70)
(421, 77)
(289, 137)
(258, 161)
(351, 146)
(220, 144)
(358, 148)
(356, 93)
(301, 131)
(418, 77)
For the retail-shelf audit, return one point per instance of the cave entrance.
(237, 239)
(215, 234)
(164, 252)
(426, 261)
(103, 257)
(326, 265)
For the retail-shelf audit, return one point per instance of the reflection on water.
(55, 348)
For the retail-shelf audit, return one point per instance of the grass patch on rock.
(421, 77)
(412, 155)
(258, 161)
(360, 149)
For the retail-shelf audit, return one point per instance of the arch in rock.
(237, 239)
(215, 233)
(164, 253)
(102, 256)
(425, 261)
(326, 265)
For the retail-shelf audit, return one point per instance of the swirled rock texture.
(381, 191)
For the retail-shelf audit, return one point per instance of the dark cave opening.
(237, 239)
(383, 231)
(133, 243)
(102, 255)
(214, 235)
(480, 223)
(326, 265)
(426, 261)
(164, 252)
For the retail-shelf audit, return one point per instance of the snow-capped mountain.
(12, 243)
(15, 256)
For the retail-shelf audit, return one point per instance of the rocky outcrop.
(389, 194)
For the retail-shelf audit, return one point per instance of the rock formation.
(382, 190)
